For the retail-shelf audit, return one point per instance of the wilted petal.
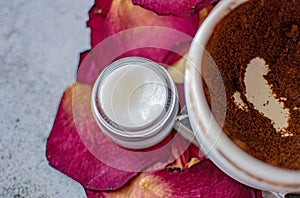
(180, 8)
(154, 43)
(203, 179)
(176, 71)
(118, 27)
(104, 5)
(123, 15)
(78, 148)
(106, 151)
(118, 32)
(82, 56)
(67, 153)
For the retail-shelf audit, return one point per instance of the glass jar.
(135, 102)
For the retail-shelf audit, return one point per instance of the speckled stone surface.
(39, 46)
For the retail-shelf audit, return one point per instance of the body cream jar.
(135, 102)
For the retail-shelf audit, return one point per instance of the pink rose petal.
(66, 152)
(96, 23)
(154, 43)
(107, 19)
(104, 5)
(78, 148)
(111, 154)
(180, 8)
(203, 179)
(123, 15)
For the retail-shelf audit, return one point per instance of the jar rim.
(151, 129)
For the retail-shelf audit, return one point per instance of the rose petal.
(123, 15)
(96, 21)
(203, 179)
(107, 18)
(180, 8)
(66, 152)
(78, 148)
(162, 46)
(176, 71)
(104, 5)
(154, 43)
(82, 56)
(110, 153)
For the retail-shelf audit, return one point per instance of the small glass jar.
(135, 102)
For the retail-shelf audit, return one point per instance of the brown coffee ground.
(268, 29)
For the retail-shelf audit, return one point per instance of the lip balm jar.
(135, 102)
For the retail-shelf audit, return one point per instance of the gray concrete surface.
(39, 46)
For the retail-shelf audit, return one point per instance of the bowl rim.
(225, 154)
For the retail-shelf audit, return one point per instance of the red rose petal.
(96, 23)
(123, 15)
(180, 8)
(82, 56)
(66, 147)
(109, 19)
(203, 179)
(104, 5)
(78, 148)
(111, 154)
(66, 152)
(156, 43)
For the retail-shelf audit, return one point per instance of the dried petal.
(154, 43)
(104, 6)
(67, 153)
(203, 179)
(96, 23)
(123, 15)
(180, 8)
(176, 71)
(78, 148)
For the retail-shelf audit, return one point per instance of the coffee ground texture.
(268, 29)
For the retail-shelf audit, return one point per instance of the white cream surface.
(260, 94)
(133, 95)
(239, 102)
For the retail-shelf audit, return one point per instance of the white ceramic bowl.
(218, 147)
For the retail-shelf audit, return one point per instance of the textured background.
(39, 46)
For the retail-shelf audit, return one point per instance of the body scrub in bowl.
(243, 91)
(257, 50)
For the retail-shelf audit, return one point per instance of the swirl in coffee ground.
(268, 31)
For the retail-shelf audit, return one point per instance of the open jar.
(135, 102)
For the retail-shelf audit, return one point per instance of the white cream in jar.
(135, 102)
(133, 96)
